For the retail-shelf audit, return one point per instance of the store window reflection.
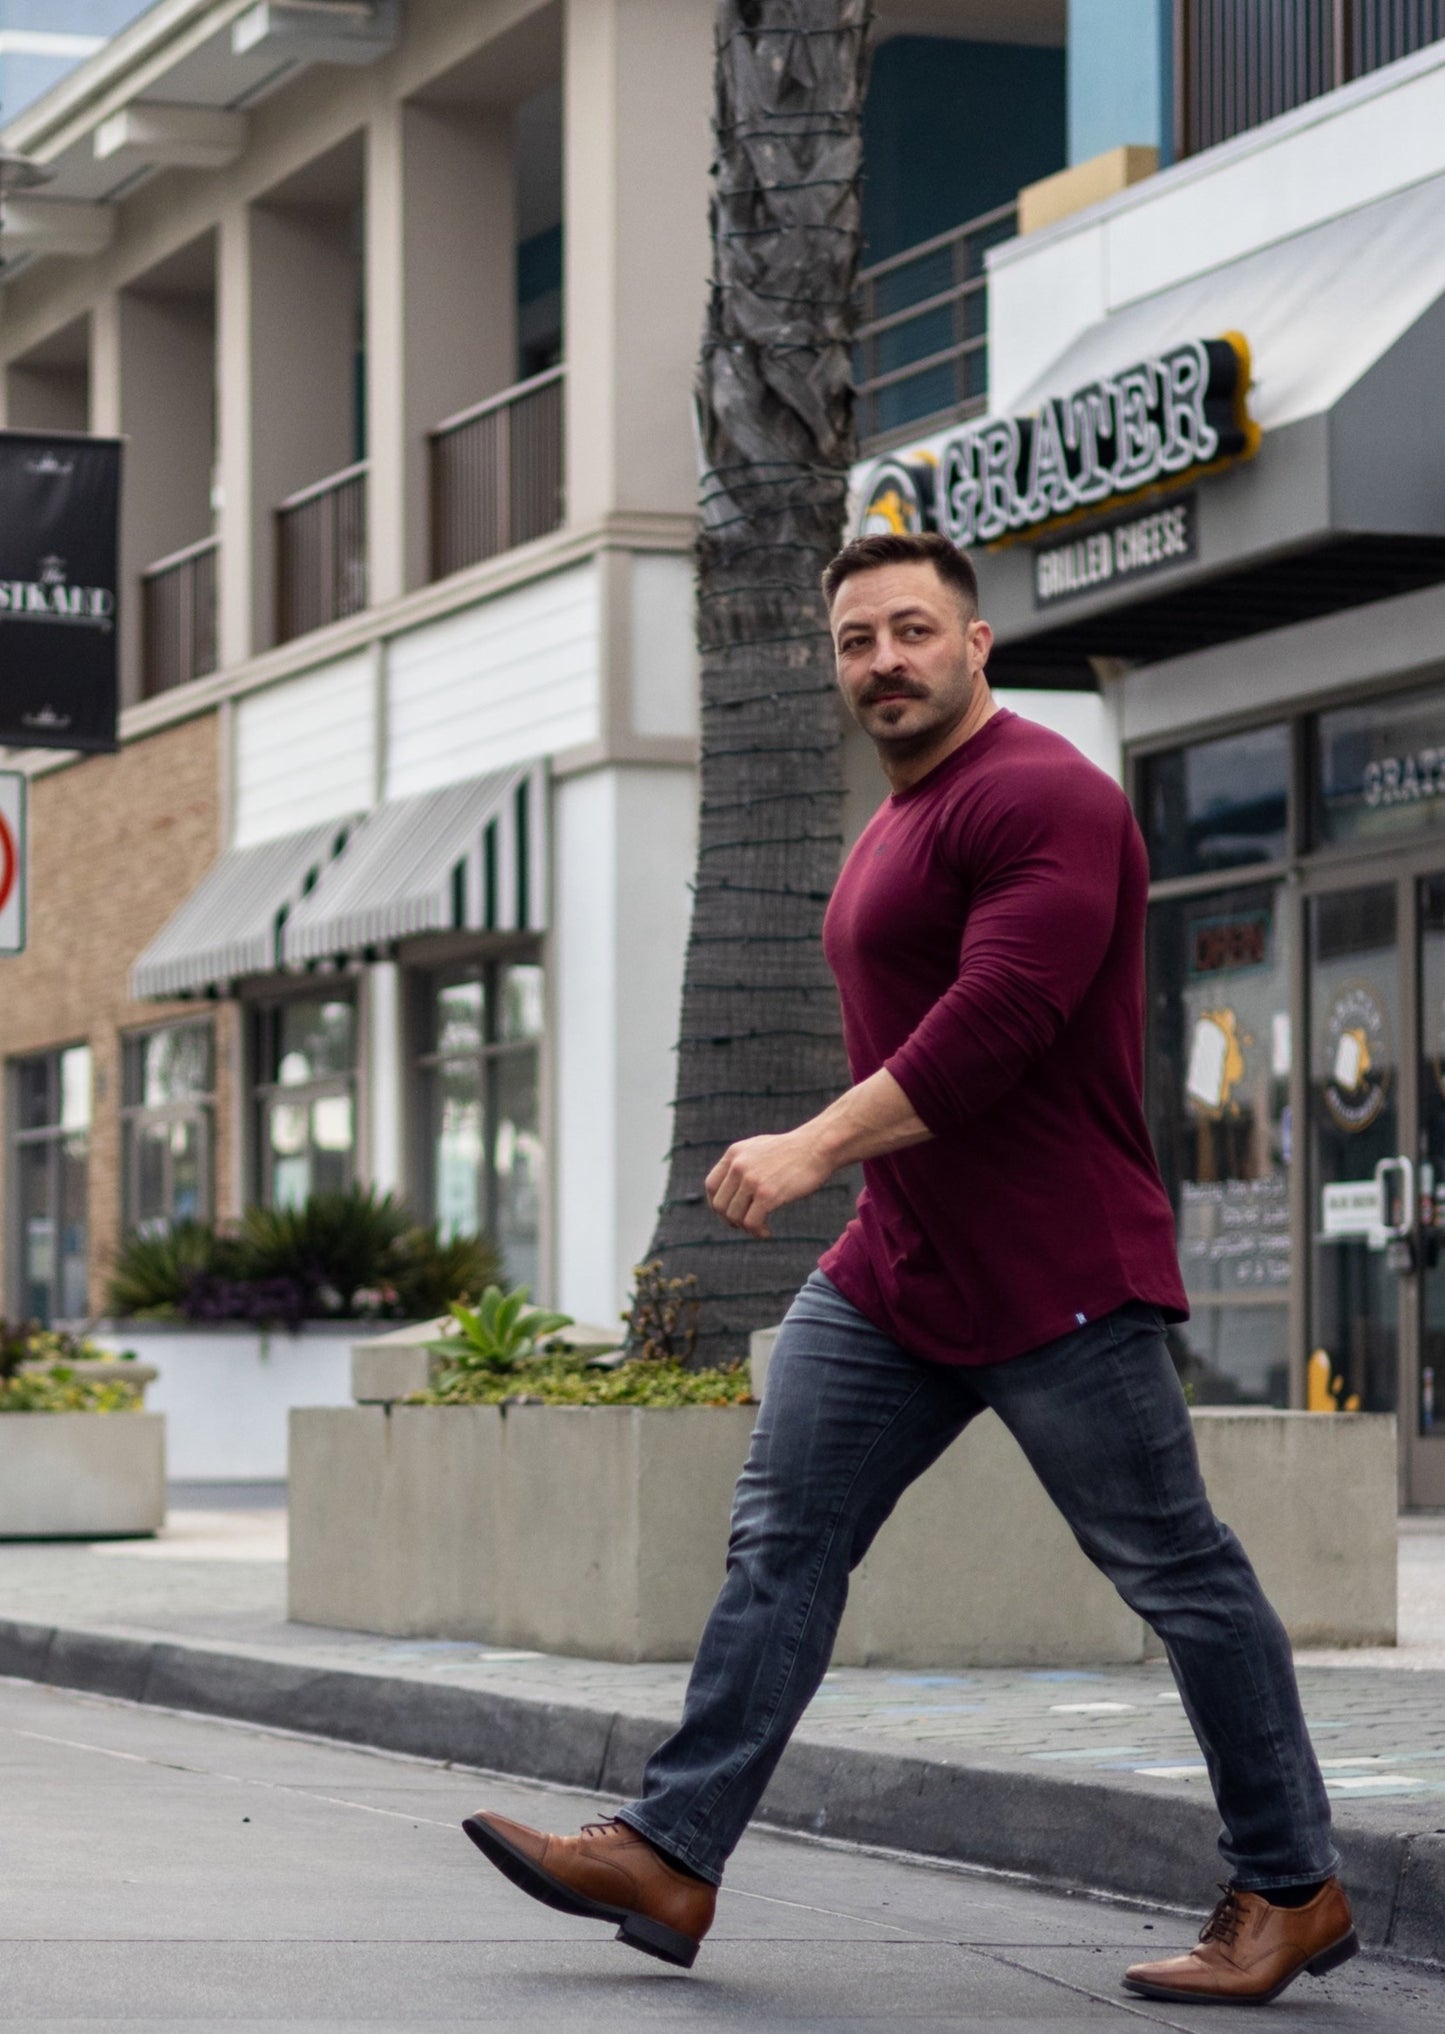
(479, 1076)
(1219, 1066)
(306, 1098)
(1217, 806)
(167, 1126)
(50, 1100)
(1380, 770)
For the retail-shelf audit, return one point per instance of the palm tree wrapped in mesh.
(759, 1045)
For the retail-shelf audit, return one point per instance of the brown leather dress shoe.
(607, 1873)
(1249, 1951)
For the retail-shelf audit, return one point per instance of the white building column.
(624, 842)
(637, 94)
(234, 520)
(385, 1079)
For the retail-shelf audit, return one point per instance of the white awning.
(1319, 309)
(470, 857)
(231, 923)
(1342, 505)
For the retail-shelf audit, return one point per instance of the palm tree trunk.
(760, 1045)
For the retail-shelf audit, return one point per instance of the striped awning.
(231, 923)
(471, 857)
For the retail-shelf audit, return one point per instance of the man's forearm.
(760, 1174)
(868, 1121)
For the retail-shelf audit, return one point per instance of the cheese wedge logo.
(1216, 1061)
(1355, 1057)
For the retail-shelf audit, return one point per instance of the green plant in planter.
(565, 1377)
(662, 1318)
(497, 1336)
(334, 1245)
(424, 1273)
(354, 1255)
(37, 1373)
(153, 1273)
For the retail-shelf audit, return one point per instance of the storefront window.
(306, 1098)
(1217, 806)
(51, 1096)
(166, 1118)
(1219, 1065)
(1380, 770)
(479, 1078)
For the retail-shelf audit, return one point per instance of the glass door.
(1377, 1164)
(1355, 1139)
(1423, 1405)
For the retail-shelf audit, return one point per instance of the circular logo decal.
(899, 498)
(1358, 1057)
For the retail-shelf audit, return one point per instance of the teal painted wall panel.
(951, 129)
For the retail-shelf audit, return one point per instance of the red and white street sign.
(12, 862)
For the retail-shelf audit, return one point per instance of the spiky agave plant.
(498, 1334)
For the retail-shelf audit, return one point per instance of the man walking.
(1013, 1248)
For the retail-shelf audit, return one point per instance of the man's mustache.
(890, 689)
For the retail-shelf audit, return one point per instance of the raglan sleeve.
(1043, 879)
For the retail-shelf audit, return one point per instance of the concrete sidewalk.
(1089, 1778)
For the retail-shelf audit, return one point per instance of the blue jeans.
(848, 1420)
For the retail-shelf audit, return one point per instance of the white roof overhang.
(171, 89)
(1344, 500)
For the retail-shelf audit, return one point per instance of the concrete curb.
(1141, 1841)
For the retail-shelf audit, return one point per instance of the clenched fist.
(761, 1174)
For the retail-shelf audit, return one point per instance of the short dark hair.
(904, 547)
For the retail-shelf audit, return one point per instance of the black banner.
(59, 504)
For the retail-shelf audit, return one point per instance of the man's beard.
(919, 740)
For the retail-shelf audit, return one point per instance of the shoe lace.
(1223, 1924)
(604, 1827)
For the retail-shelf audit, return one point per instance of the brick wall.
(116, 843)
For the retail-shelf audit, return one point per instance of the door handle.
(1395, 1180)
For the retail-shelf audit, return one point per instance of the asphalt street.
(171, 1872)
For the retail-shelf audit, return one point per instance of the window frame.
(1306, 868)
(262, 1013)
(424, 1062)
(51, 1136)
(135, 1116)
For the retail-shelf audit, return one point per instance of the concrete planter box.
(602, 1531)
(81, 1475)
(226, 1391)
(597, 1530)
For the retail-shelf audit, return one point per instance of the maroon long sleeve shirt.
(987, 936)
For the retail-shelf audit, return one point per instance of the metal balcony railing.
(321, 553)
(178, 618)
(496, 474)
(1238, 63)
(921, 347)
